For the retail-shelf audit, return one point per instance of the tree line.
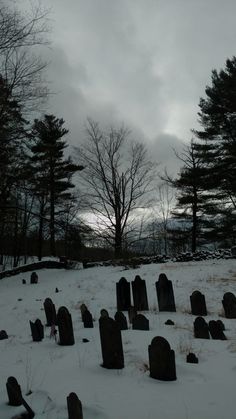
(40, 202)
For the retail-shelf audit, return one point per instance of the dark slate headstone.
(198, 304)
(165, 294)
(201, 330)
(74, 407)
(216, 331)
(139, 291)
(140, 322)
(23, 281)
(104, 313)
(14, 392)
(221, 324)
(192, 358)
(3, 335)
(50, 312)
(132, 313)
(121, 320)
(87, 319)
(161, 360)
(111, 343)
(123, 295)
(65, 327)
(34, 278)
(37, 330)
(229, 304)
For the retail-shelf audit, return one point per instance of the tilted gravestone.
(123, 295)
(161, 360)
(139, 291)
(140, 322)
(14, 392)
(229, 304)
(16, 399)
(201, 330)
(37, 330)
(74, 407)
(34, 278)
(165, 294)
(121, 320)
(87, 319)
(65, 327)
(216, 331)
(198, 304)
(50, 312)
(132, 313)
(111, 343)
(192, 358)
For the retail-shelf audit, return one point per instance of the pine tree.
(52, 172)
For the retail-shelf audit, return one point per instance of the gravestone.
(192, 358)
(74, 407)
(229, 304)
(87, 319)
(3, 335)
(23, 281)
(165, 294)
(104, 313)
(161, 360)
(121, 320)
(201, 330)
(123, 295)
(14, 392)
(37, 330)
(216, 331)
(140, 322)
(111, 343)
(65, 327)
(139, 291)
(132, 313)
(50, 312)
(221, 324)
(34, 278)
(198, 304)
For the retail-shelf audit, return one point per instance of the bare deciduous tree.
(116, 178)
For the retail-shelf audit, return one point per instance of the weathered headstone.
(37, 330)
(121, 320)
(140, 322)
(3, 335)
(161, 360)
(123, 295)
(229, 304)
(34, 278)
(139, 291)
(165, 294)
(14, 392)
(74, 407)
(198, 304)
(216, 331)
(111, 343)
(132, 313)
(50, 312)
(192, 358)
(87, 319)
(201, 330)
(104, 313)
(65, 327)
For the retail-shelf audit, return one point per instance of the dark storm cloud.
(143, 64)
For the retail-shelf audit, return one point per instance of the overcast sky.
(144, 63)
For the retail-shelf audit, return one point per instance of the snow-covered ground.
(50, 371)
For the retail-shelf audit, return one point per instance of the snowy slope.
(51, 372)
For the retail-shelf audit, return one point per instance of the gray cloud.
(141, 63)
